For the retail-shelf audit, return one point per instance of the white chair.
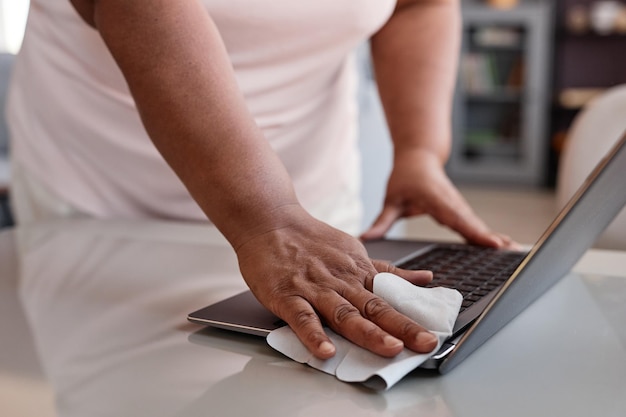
(594, 131)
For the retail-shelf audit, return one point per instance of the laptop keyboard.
(473, 270)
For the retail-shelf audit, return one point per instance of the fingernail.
(392, 342)
(425, 338)
(326, 348)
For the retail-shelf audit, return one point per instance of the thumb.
(417, 277)
(383, 223)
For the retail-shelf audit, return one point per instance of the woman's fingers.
(383, 222)
(420, 277)
(305, 323)
(370, 322)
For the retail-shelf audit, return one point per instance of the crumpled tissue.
(436, 309)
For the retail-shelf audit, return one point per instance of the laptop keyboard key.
(473, 270)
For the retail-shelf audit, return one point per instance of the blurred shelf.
(503, 97)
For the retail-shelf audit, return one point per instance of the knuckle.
(305, 318)
(344, 312)
(375, 308)
(408, 330)
(315, 337)
(371, 332)
(380, 265)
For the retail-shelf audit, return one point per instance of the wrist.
(420, 155)
(279, 217)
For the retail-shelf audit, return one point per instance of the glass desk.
(97, 312)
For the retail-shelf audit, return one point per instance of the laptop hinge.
(443, 352)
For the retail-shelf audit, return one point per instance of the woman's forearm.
(182, 81)
(415, 60)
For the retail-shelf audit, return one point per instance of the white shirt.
(75, 128)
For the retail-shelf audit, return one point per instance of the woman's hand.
(307, 272)
(419, 185)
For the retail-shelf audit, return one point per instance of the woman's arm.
(179, 74)
(415, 60)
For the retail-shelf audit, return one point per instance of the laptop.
(511, 281)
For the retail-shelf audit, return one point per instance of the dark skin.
(176, 66)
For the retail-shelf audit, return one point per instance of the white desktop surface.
(98, 310)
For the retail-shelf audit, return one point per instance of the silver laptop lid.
(596, 203)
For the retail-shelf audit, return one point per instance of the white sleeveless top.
(75, 128)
